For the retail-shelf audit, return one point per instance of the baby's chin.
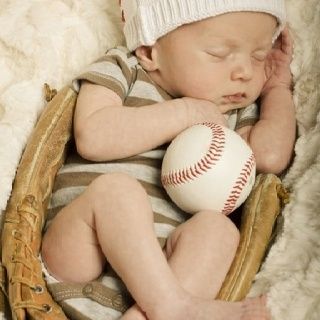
(226, 107)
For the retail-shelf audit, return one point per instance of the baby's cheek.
(255, 92)
(262, 78)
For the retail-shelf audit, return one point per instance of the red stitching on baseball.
(238, 186)
(213, 154)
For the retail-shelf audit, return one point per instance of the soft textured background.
(43, 41)
(52, 40)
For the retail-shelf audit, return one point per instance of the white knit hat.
(148, 20)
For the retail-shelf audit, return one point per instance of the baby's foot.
(250, 309)
(255, 308)
(198, 309)
(133, 313)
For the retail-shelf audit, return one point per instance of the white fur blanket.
(52, 40)
(44, 41)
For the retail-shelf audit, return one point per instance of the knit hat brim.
(150, 20)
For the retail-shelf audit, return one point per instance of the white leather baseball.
(208, 167)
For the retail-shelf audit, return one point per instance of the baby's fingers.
(286, 42)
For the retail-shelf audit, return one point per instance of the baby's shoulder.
(122, 56)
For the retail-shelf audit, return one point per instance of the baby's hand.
(203, 111)
(278, 63)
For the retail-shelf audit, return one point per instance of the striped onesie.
(120, 71)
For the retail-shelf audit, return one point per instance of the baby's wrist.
(187, 109)
(282, 87)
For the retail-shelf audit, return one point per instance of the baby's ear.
(147, 57)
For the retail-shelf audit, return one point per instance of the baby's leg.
(200, 252)
(70, 247)
(112, 218)
(117, 208)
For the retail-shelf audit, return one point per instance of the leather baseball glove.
(22, 278)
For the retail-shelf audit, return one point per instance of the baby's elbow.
(84, 149)
(272, 163)
(85, 146)
(92, 148)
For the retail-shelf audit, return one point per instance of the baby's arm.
(105, 129)
(272, 138)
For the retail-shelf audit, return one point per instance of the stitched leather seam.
(239, 185)
(214, 153)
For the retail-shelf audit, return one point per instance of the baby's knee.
(220, 220)
(216, 224)
(112, 184)
(111, 192)
(212, 226)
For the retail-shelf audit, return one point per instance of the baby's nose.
(242, 69)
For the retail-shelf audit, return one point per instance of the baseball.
(208, 167)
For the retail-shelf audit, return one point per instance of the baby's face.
(221, 59)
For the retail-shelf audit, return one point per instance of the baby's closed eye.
(218, 52)
(260, 55)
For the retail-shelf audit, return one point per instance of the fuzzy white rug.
(52, 40)
(44, 41)
(291, 272)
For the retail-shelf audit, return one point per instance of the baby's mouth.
(235, 98)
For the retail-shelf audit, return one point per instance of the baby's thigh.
(70, 246)
(71, 249)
